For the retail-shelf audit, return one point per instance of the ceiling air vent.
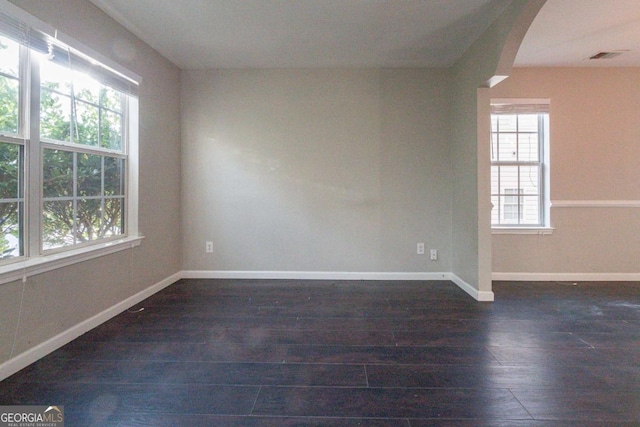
(607, 55)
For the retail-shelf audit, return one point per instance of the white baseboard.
(339, 275)
(482, 296)
(567, 277)
(311, 275)
(30, 356)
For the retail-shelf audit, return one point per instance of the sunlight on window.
(76, 108)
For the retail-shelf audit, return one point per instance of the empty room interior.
(341, 213)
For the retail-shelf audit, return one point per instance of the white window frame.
(529, 106)
(35, 260)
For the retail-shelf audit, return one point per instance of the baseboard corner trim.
(37, 352)
(481, 296)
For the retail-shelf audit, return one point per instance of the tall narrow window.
(519, 137)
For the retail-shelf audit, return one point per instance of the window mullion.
(500, 195)
(102, 198)
(33, 194)
(518, 186)
(541, 172)
(74, 229)
(500, 198)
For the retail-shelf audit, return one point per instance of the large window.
(519, 140)
(65, 140)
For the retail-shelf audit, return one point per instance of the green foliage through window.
(11, 201)
(11, 155)
(83, 197)
(75, 108)
(82, 153)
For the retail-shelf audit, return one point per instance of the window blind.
(508, 108)
(63, 54)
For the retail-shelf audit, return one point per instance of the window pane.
(507, 146)
(57, 224)
(9, 90)
(531, 210)
(10, 171)
(55, 116)
(506, 123)
(55, 77)
(9, 85)
(9, 57)
(57, 173)
(111, 99)
(113, 176)
(508, 176)
(10, 236)
(11, 200)
(530, 179)
(113, 222)
(511, 206)
(86, 88)
(89, 175)
(89, 220)
(510, 214)
(528, 150)
(86, 124)
(527, 123)
(111, 130)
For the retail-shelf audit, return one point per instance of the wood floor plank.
(579, 405)
(52, 370)
(552, 377)
(130, 398)
(516, 423)
(389, 355)
(352, 353)
(152, 420)
(391, 403)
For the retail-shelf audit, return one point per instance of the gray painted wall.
(316, 170)
(55, 301)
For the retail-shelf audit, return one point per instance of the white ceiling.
(306, 33)
(370, 33)
(568, 32)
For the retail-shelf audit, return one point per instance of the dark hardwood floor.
(311, 353)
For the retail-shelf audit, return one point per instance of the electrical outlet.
(433, 254)
(420, 249)
(208, 247)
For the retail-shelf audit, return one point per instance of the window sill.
(37, 265)
(523, 230)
